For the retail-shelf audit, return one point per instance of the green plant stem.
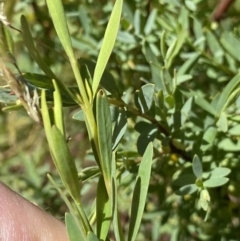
(87, 106)
(135, 111)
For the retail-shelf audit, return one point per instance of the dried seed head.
(21, 90)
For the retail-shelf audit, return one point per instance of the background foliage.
(176, 85)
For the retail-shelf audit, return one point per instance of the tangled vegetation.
(139, 103)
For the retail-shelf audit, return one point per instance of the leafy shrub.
(159, 98)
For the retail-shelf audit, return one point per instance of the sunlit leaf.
(104, 211)
(64, 163)
(205, 105)
(175, 48)
(204, 200)
(231, 44)
(140, 193)
(223, 122)
(119, 128)
(208, 138)
(74, 231)
(59, 20)
(220, 172)
(104, 123)
(107, 44)
(150, 21)
(231, 86)
(145, 97)
(215, 182)
(197, 167)
(92, 237)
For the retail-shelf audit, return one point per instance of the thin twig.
(221, 9)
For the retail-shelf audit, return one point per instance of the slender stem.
(87, 106)
(221, 9)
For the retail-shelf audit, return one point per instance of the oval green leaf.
(215, 182)
(197, 167)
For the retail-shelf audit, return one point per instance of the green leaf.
(126, 37)
(205, 105)
(89, 172)
(150, 22)
(175, 234)
(84, 18)
(65, 198)
(6, 43)
(228, 144)
(6, 97)
(157, 79)
(231, 44)
(175, 48)
(215, 46)
(169, 82)
(107, 81)
(140, 193)
(60, 24)
(147, 135)
(223, 122)
(74, 231)
(46, 117)
(198, 31)
(87, 78)
(104, 210)
(39, 82)
(183, 78)
(231, 86)
(204, 200)
(187, 189)
(235, 130)
(137, 22)
(28, 41)
(232, 97)
(186, 109)
(197, 167)
(191, 5)
(107, 44)
(59, 20)
(104, 124)
(118, 233)
(183, 17)
(163, 43)
(58, 112)
(220, 172)
(215, 182)
(64, 163)
(208, 138)
(184, 180)
(166, 24)
(79, 115)
(146, 97)
(92, 237)
(119, 128)
(188, 65)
